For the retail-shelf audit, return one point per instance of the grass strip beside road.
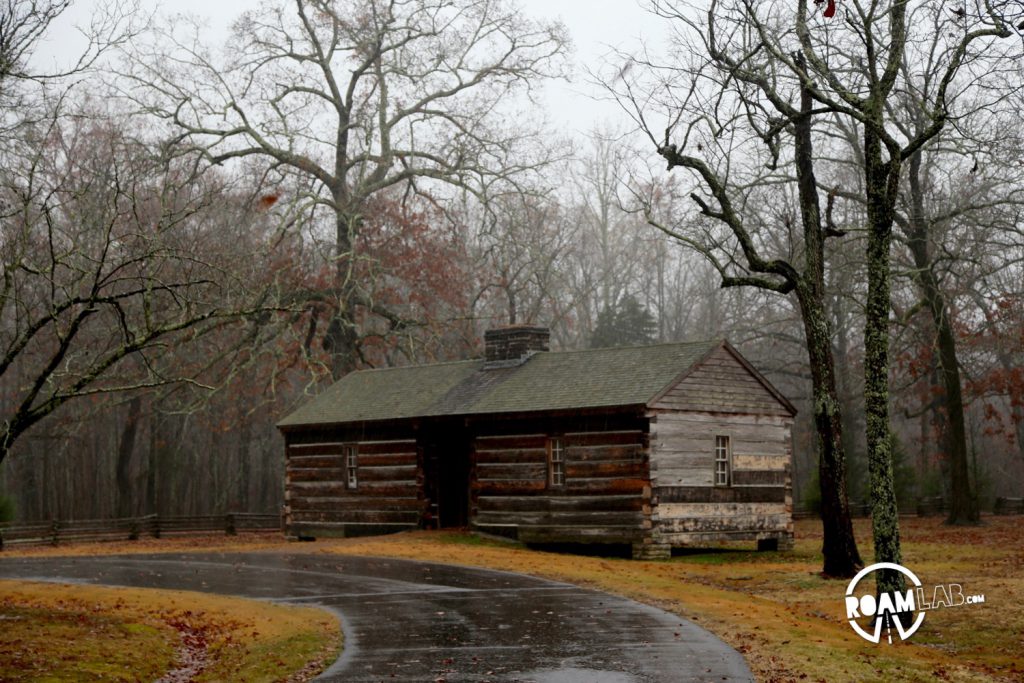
(788, 621)
(58, 632)
(777, 610)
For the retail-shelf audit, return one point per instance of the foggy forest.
(199, 235)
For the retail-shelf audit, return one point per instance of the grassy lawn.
(52, 632)
(773, 607)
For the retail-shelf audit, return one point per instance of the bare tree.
(935, 82)
(919, 229)
(354, 98)
(24, 22)
(521, 246)
(885, 47)
(99, 278)
(764, 73)
(727, 191)
(106, 270)
(994, 353)
(602, 169)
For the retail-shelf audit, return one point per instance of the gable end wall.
(720, 397)
(721, 384)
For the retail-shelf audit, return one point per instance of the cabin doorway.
(446, 476)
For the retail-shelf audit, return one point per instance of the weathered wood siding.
(318, 502)
(605, 499)
(683, 448)
(689, 508)
(721, 384)
(720, 397)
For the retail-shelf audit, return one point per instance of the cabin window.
(723, 463)
(351, 466)
(556, 463)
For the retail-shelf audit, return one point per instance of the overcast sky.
(594, 25)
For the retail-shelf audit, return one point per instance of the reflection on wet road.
(419, 622)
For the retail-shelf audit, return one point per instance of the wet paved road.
(419, 622)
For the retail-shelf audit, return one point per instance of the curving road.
(419, 622)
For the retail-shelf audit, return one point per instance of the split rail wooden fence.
(55, 532)
(925, 507)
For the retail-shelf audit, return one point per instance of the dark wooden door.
(446, 474)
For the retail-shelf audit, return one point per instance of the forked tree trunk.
(839, 549)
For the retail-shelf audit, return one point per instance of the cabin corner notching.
(657, 446)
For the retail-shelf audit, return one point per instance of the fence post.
(54, 531)
(997, 509)
(133, 529)
(154, 521)
(229, 524)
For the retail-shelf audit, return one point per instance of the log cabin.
(661, 446)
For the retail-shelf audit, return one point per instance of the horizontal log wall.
(605, 498)
(688, 518)
(683, 448)
(688, 508)
(387, 497)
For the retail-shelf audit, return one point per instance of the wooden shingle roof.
(547, 381)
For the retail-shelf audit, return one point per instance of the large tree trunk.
(126, 494)
(1016, 408)
(882, 179)
(152, 464)
(963, 505)
(1018, 426)
(839, 546)
(342, 338)
(241, 503)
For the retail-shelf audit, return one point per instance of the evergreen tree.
(628, 323)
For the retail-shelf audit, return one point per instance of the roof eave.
(638, 408)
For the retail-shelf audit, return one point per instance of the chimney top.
(506, 347)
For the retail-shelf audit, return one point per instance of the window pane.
(722, 464)
(351, 466)
(556, 463)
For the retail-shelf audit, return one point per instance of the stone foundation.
(651, 551)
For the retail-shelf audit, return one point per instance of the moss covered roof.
(567, 380)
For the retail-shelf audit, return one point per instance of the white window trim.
(723, 465)
(351, 452)
(556, 463)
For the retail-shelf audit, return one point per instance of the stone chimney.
(509, 346)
